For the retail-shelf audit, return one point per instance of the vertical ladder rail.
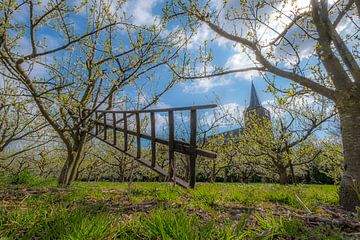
(105, 127)
(192, 163)
(153, 136)
(138, 136)
(97, 125)
(125, 132)
(114, 127)
(171, 144)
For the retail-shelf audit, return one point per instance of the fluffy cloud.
(204, 85)
(241, 60)
(306, 103)
(226, 116)
(278, 20)
(141, 11)
(202, 34)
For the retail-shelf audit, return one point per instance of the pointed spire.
(254, 99)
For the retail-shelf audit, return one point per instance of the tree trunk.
(350, 129)
(77, 160)
(283, 177)
(213, 172)
(62, 180)
(69, 170)
(226, 173)
(293, 178)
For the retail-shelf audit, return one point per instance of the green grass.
(25, 178)
(102, 210)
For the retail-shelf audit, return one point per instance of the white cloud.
(298, 104)
(278, 20)
(228, 115)
(202, 34)
(241, 60)
(204, 85)
(141, 11)
(233, 109)
(161, 122)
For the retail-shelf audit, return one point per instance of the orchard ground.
(32, 208)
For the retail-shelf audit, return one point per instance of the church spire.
(254, 99)
(255, 109)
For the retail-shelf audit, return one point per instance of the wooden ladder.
(103, 123)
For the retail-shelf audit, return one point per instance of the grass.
(102, 210)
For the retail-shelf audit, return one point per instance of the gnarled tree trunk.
(62, 180)
(71, 166)
(283, 177)
(350, 129)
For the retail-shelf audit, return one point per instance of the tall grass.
(94, 211)
(159, 224)
(27, 179)
(176, 224)
(55, 223)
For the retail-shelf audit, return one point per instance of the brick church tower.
(255, 108)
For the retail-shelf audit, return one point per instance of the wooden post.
(114, 127)
(97, 125)
(192, 164)
(105, 128)
(153, 136)
(171, 145)
(138, 137)
(125, 132)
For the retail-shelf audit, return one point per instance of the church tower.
(255, 111)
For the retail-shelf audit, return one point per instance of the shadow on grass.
(91, 213)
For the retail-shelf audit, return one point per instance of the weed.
(102, 211)
(25, 178)
(209, 198)
(175, 224)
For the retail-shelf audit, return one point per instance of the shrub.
(25, 178)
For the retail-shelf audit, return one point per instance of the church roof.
(254, 99)
(235, 133)
(232, 133)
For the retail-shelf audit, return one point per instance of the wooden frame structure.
(103, 124)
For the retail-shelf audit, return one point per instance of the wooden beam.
(171, 145)
(125, 131)
(180, 146)
(153, 139)
(196, 107)
(138, 136)
(96, 124)
(192, 155)
(105, 127)
(114, 127)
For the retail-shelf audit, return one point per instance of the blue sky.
(232, 90)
